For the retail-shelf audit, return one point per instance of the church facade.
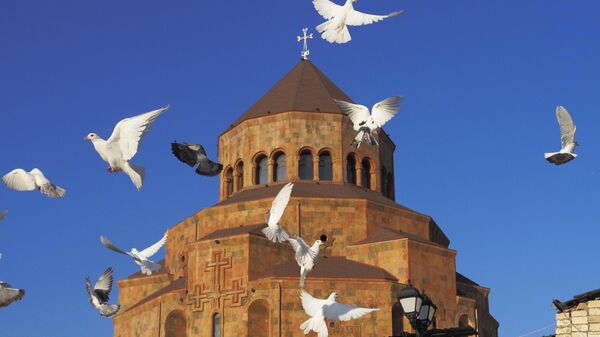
(222, 278)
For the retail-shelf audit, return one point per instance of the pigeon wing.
(148, 252)
(20, 180)
(327, 9)
(312, 306)
(384, 111)
(279, 204)
(106, 243)
(345, 312)
(184, 153)
(3, 214)
(303, 252)
(359, 114)
(103, 286)
(567, 127)
(8, 294)
(356, 18)
(129, 132)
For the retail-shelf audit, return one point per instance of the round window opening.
(323, 237)
(182, 258)
(332, 325)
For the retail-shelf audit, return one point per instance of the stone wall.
(581, 321)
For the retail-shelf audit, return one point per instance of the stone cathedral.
(222, 278)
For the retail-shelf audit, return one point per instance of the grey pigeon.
(194, 154)
(99, 295)
(8, 294)
(567, 139)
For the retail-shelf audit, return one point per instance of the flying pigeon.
(8, 294)
(99, 294)
(335, 29)
(305, 256)
(3, 214)
(567, 139)
(20, 180)
(367, 123)
(141, 258)
(193, 154)
(274, 231)
(329, 309)
(123, 144)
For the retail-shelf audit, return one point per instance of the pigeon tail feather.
(148, 267)
(316, 324)
(275, 234)
(135, 173)
(109, 310)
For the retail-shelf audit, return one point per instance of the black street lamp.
(420, 311)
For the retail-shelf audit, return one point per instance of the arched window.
(384, 183)
(305, 165)
(175, 324)
(279, 168)
(216, 325)
(397, 319)
(366, 173)
(229, 181)
(258, 318)
(351, 169)
(463, 321)
(325, 166)
(261, 170)
(239, 172)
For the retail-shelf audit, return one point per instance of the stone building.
(212, 284)
(580, 316)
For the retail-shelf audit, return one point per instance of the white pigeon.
(339, 17)
(567, 139)
(141, 258)
(99, 294)
(306, 256)
(329, 309)
(20, 180)
(3, 214)
(367, 123)
(123, 144)
(274, 231)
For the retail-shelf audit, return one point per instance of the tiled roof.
(580, 298)
(314, 190)
(332, 267)
(387, 234)
(304, 88)
(460, 278)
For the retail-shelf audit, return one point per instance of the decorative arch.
(366, 171)
(305, 164)
(228, 181)
(216, 325)
(279, 160)
(325, 165)
(259, 316)
(397, 319)
(351, 167)
(260, 166)
(463, 321)
(176, 324)
(238, 175)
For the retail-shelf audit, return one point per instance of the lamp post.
(420, 311)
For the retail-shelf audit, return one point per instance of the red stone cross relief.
(215, 293)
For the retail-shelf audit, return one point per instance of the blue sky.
(481, 81)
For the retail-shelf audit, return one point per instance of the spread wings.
(344, 312)
(326, 8)
(20, 180)
(8, 294)
(359, 114)
(312, 306)
(184, 153)
(279, 204)
(567, 127)
(148, 252)
(103, 286)
(303, 251)
(106, 243)
(129, 132)
(384, 111)
(356, 18)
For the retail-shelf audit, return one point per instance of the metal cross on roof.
(305, 52)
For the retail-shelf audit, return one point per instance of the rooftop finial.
(305, 52)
